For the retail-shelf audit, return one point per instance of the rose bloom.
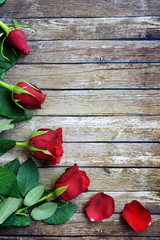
(99, 207)
(137, 216)
(77, 183)
(27, 95)
(46, 145)
(17, 40)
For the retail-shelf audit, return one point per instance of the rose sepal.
(19, 90)
(16, 89)
(60, 190)
(7, 29)
(33, 86)
(37, 133)
(31, 148)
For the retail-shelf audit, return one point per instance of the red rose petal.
(68, 173)
(76, 180)
(137, 216)
(85, 181)
(99, 207)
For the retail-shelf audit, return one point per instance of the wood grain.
(100, 154)
(78, 237)
(111, 179)
(93, 129)
(84, 51)
(149, 199)
(114, 226)
(83, 76)
(73, 8)
(91, 28)
(104, 102)
(99, 64)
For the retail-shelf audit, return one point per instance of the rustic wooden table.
(98, 61)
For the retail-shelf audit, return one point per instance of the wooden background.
(98, 61)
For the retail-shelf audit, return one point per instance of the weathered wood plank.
(104, 102)
(78, 237)
(101, 154)
(84, 129)
(72, 76)
(92, 28)
(72, 51)
(110, 179)
(73, 8)
(79, 225)
(149, 199)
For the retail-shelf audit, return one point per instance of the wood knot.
(107, 170)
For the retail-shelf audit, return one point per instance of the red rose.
(17, 40)
(137, 216)
(27, 95)
(76, 180)
(99, 207)
(46, 145)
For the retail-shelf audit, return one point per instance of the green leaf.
(60, 190)
(2, 1)
(46, 192)
(8, 183)
(6, 145)
(33, 195)
(27, 176)
(44, 211)
(7, 107)
(2, 73)
(13, 165)
(16, 220)
(63, 213)
(7, 207)
(6, 124)
(23, 118)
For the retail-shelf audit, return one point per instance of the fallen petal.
(99, 207)
(137, 216)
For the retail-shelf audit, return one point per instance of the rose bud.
(77, 183)
(46, 145)
(99, 207)
(27, 95)
(137, 216)
(15, 37)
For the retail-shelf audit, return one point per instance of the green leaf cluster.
(8, 57)
(21, 197)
